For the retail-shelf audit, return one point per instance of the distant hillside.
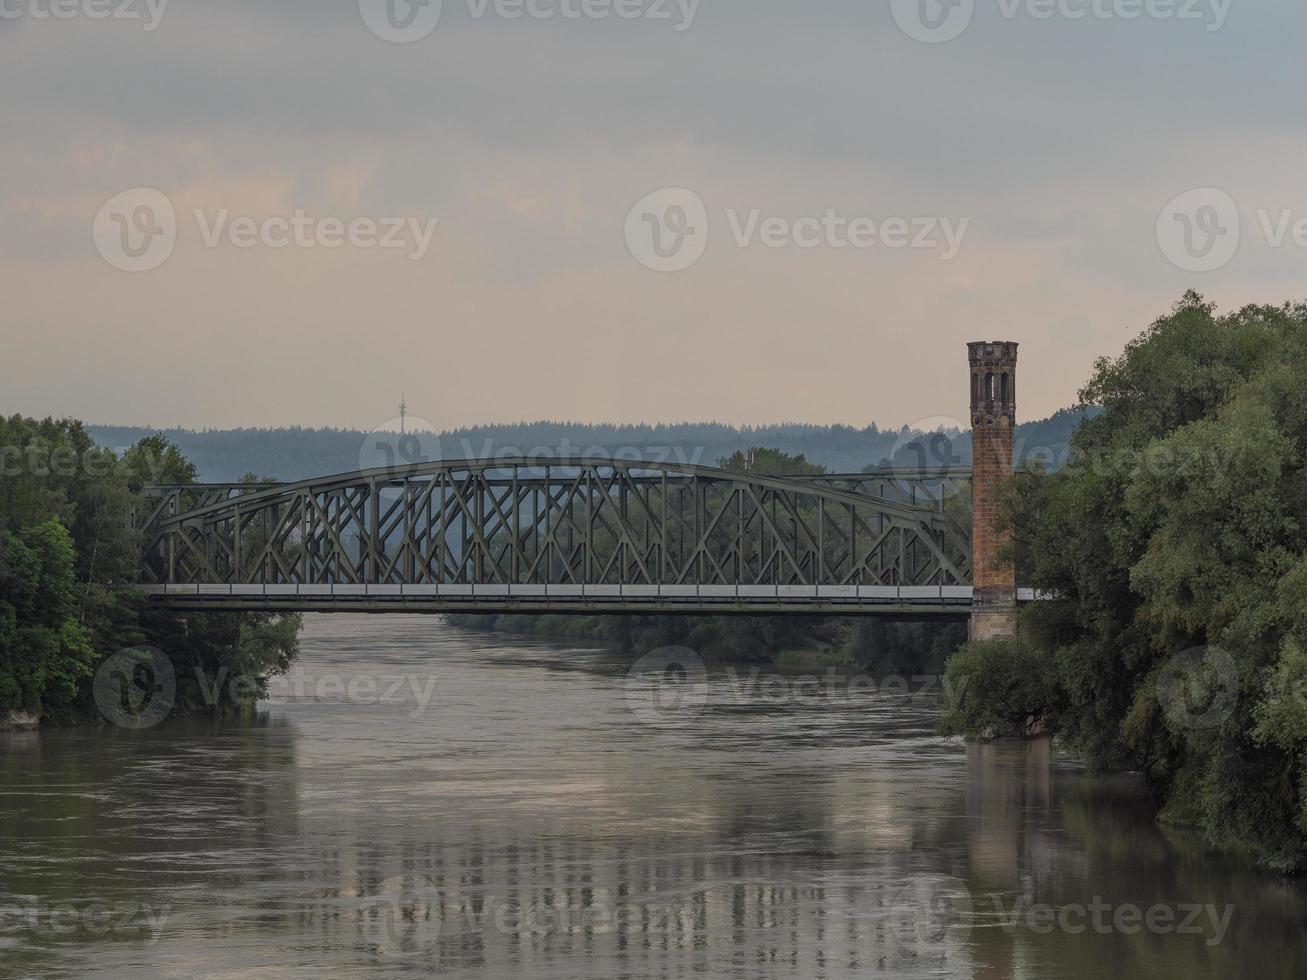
(295, 453)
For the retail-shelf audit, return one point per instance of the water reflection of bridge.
(664, 871)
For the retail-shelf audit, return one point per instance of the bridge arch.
(546, 523)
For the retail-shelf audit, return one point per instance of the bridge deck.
(799, 600)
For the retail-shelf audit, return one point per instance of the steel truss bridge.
(538, 534)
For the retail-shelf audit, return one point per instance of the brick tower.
(993, 419)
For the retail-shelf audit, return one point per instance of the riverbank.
(19, 721)
(1176, 541)
(77, 645)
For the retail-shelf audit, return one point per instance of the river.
(417, 800)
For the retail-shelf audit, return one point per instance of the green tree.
(1177, 542)
(47, 651)
(769, 462)
(69, 556)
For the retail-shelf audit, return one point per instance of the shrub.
(997, 689)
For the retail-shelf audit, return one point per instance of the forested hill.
(296, 453)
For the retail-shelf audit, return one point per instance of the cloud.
(530, 141)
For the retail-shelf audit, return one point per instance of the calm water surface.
(521, 809)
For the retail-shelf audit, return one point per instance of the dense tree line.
(1176, 542)
(69, 556)
(295, 453)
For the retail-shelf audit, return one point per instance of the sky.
(222, 213)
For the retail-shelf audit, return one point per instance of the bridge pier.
(993, 420)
